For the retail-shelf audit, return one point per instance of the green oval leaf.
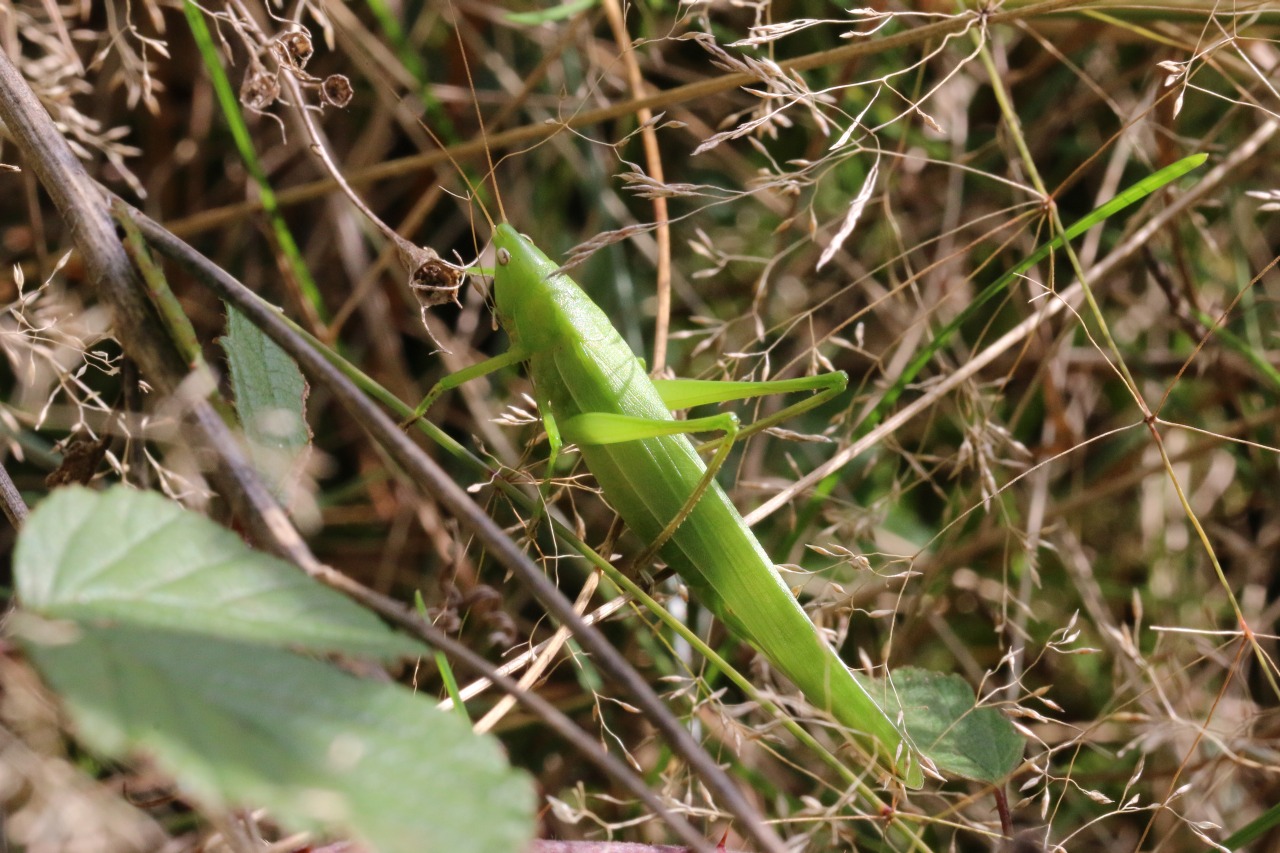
(165, 633)
(139, 557)
(271, 400)
(948, 726)
(246, 725)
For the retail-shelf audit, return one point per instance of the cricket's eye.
(504, 257)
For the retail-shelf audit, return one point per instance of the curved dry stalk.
(653, 156)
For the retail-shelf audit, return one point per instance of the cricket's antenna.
(488, 153)
(444, 149)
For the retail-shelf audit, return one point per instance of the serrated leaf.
(944, 722)
(271, 396)
(139, 558)
(241, 724)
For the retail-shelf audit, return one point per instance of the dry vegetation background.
(1076, 506)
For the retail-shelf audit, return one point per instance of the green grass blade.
(175, 320)
(1255, 829)
(1241, 347)
(442, 663)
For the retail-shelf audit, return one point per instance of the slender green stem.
(175, 320)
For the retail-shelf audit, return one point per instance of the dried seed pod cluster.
(291, 52)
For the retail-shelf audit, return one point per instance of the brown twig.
(15, 508)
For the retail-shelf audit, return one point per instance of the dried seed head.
(80, 461)
(502, 634)
(483, 599)
(336, 90)
(446, 619)
(296, 48)
(259, 89)
(433, 280)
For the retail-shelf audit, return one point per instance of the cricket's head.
(523, 278)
